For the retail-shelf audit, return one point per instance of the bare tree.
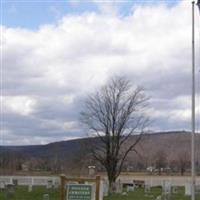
(183, 162)
(114, 114)
(160, 161)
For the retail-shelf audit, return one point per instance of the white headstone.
(130, 188)
(105, 188)
(30, 188)
(166, 187)
(166, 190)
(124, 193)
(56, 184)
(188, 189)
(10, 191)
(118, 187)
(46, 197)
(91, 170)
(15, 182)
(147, 186)
(49, 184)
(158, 198)
(2, 185)
(175, 189)
(197, 190)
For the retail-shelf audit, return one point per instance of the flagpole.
(193, 108)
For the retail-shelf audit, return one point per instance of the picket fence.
(31, 180)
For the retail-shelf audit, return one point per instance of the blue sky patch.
(32, 14)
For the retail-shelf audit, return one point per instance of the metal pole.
(193, 107)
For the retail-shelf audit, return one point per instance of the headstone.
(105, 188)
(10, 191)
(15, 182)
(197, 189)
(49, 184)
(118, 186)
(159, 198)
(130, 188)
(174, 189)
(188, 189)
(56, 184)
(147, 186)
(2, 185)
(166, 190)
(91, 171)
(45, 196)
(30, 188)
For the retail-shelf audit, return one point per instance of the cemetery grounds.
(54, 194)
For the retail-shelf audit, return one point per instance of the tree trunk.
(182, 171)
(159, 172)
(112, 181)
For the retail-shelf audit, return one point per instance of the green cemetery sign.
(79, 192)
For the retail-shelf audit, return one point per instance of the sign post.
(79, 191)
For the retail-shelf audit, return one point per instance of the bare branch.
(114, 114)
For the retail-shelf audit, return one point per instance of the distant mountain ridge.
(172, 144)
(74, 145)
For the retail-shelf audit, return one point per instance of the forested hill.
(172, 146)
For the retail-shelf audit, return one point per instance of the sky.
(55, 53)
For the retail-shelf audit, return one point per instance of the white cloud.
(47, 71)
(108, 7)
(68, 99)
(72, 125)
(183, 115)
(22, 105)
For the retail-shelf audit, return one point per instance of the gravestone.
(56, 184)
(15, 182)
(91, 171)
(49, 184)
(118, 187)
(105, 188)
(45, 196)
(10, 191)
(197, 189)
(147, 186)
(158, 198)
(30, 188)
(130, 188)
(2, 185)
(166, 190)
(124, 193)
(188, 189)
(174, 189)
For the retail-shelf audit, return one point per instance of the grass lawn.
(140, 195)
(37, 194)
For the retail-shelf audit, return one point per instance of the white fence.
(158, 180)
(55, 180)
(31, 180)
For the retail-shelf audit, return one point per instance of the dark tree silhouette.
(114, 114)
(160, 161)
(183, 162)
